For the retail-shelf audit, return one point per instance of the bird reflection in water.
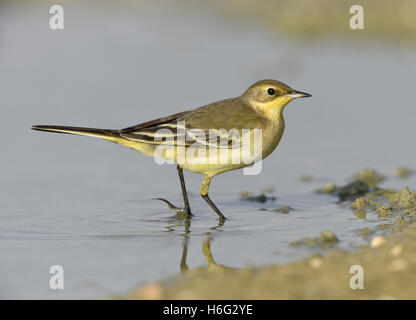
(206, 246)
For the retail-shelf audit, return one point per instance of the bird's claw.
(180, 211)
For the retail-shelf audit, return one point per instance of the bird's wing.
(148, 131)
(218, 124)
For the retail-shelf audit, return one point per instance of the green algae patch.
(328, 188)
(366, 232)
(369, 177)
(384, 212)
(262, 197)
(325, 240)
(360, 214)
(268, 190)
(404, 199)
(402, 172)
(363, 204)
(306, 178)
(284, 209)
(348, 192)
(352, 190)
(384, 226)
(395, 209)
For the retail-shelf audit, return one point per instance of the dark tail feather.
(107, 134)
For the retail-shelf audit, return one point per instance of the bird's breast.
(272, 135)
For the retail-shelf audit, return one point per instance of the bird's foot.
(184, 213)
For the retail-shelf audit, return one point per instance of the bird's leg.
(183, 265)
(204, 193)
(187, 209)
(206, 251)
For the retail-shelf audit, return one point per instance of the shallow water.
(86, 204)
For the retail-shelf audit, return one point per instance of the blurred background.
(86, 204)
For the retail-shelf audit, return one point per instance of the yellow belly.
(209, 163)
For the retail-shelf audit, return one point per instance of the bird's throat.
(274, 110)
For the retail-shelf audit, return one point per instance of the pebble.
(152, 291)
(377, 242)
(315, 263)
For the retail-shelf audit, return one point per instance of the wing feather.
(190, 127)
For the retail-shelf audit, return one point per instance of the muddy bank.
(388, 262)
(389, 273)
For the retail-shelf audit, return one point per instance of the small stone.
(151, 291)
(316, 263)
(377, 242)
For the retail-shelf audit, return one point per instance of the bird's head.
(271, 96)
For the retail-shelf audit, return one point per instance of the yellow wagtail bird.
(258, 109)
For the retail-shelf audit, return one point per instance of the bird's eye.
(271, 91)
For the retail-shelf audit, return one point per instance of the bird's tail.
(107, 134)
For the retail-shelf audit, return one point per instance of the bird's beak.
(298, 94)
